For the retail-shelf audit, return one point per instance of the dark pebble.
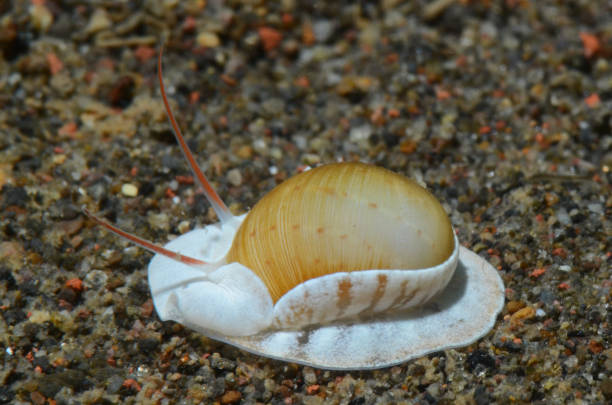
(68, 294)
(172, 163)
(148, 345)
(29, 287)
(6, 276)
(50, 384)
(122, 93)
(547, 296)
(464, 207)
(217, 388)
(43, 363)
(575, 334)
(64, 209)
(481, 397)
(480, 358)
(221, 363)
(578, 218)
(429, 398)
(146, 188)
(7, 395)
(13, 316)
(14, 196)
(390, 139)
(451, 192)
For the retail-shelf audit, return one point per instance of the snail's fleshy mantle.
(345, 266)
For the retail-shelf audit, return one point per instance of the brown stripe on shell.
(297, 313)
(309, 311)
(304, 336)
(344, 295)
(381, 287)
(398, 299)
(409, 299)
(405, 297)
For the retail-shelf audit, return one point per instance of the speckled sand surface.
(502, 108)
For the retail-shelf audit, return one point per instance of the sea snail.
(345, 266)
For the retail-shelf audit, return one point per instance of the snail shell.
(346, 218)
(341, 217)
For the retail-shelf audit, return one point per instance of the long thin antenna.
(217, 203)
(143, 242)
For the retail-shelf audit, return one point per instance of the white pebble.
(234, 177)
(596, 208)
(360, 133)
(129, 190)
(563, 217)
(183, 227)
(208, 39)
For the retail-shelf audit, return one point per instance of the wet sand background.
(502, 108)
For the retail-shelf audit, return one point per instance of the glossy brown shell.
(338, 218)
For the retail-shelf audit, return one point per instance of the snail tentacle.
(144, 243)
(217, 203)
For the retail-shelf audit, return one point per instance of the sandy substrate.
(501, 108)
